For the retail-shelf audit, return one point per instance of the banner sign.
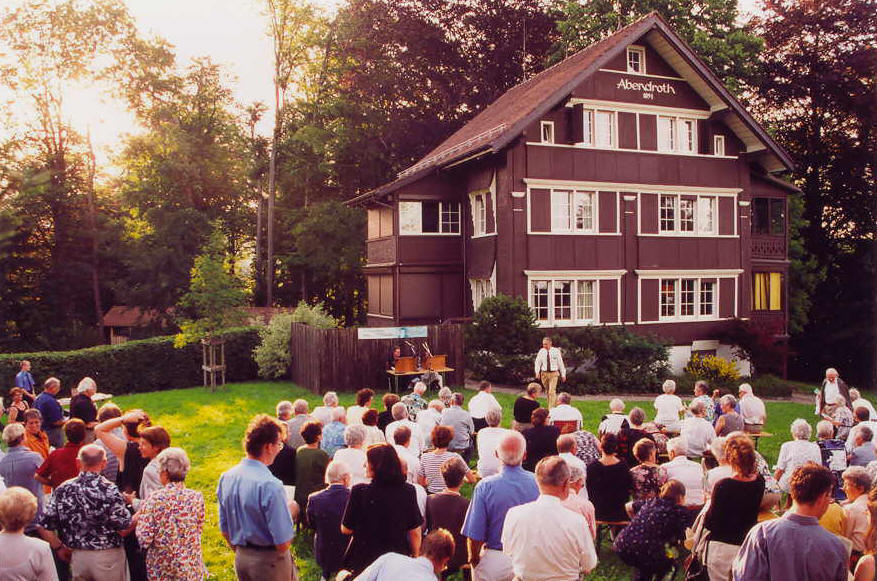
(391, 332)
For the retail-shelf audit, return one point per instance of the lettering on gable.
(648, 88)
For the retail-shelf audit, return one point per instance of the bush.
(272, 355)
(138, 366)
(315, 316)
(611, 359)
(501, 340)
(771, 386)
(718, 372)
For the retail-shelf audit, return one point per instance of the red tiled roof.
(122, 316)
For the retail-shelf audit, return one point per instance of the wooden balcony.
(772, 321)
(770, 247)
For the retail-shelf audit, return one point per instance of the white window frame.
(680, 136)
(553, 283)
(641, 51)
(719, 145)
(697, 303)
(482, 288)
(478, 209)
(415, 227)
(564, 205)
(687, 135)
(700, 225)
(549, 137)
(591, 135)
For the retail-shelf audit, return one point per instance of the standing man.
(90, 516)
(253, 514)
(24, 380)
(491, 500)
(832, 386)
(565, 548)
(549, 368)
(53, 415)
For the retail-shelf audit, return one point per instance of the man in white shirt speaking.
(549, 368)
(565, 548)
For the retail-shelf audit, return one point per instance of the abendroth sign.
(648, 88)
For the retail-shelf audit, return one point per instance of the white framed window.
(429, 218)
(688, 215)
(687, 136)
(479, 214)
(677, 134)
(588, 127)
(573, 211)
(547, 131)
(687, 298)
(666, 134)
(565, 301)
(636, 59)
(599, 128)
(482, 288)
(719, 145)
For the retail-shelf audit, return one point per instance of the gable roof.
(506, 118)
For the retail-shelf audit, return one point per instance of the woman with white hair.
(730, 420)
(857, 401)
(170, 522)
(841, 418)
(615, 421)
(796, 453)
(82, 407)
(723, 470)
(353, 456)
(22, 558)
(487, 441)
(834, 454)
(323, 413)
(669, 406)
(577, 501)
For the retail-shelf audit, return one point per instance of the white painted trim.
(695, 235)
(542, 125)
(519, 194)
(443, 234)
(595, 276)
(577, 274)
(718, 107)
(638, 144)
(637, 48)
(627, 150)
(676, 322)
(641, 74)
(682, 273)
(639, 107)
(716, 140)
(574, 233)
(596, 231)
(379, 316)
(379, 264)
(488, 235)
(744, 203)
(640, 188)
(630, 198)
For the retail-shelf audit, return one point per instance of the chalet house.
(624, 185)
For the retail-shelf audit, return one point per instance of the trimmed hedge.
(136, 366)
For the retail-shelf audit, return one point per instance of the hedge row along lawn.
(210, 426)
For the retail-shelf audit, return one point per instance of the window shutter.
(576, 128)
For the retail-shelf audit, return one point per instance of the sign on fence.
(391, 332)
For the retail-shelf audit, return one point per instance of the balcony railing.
(773, 247)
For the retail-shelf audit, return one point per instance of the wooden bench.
(608, 525)
(758, 435)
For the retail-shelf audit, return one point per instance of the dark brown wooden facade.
(610, 189)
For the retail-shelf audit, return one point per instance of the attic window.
(636, 59)
(547, 131)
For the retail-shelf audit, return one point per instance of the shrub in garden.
(272, 354)
(718, 372)
(502, 339)
(314, 315)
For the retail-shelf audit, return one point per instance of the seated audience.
(386, 416)
(796, 453)
(863, 447)
(430, 418)
(565, 548)
(430, 473)
(701, 393)
(752, 409)
(353, 455)
(734, 506)
(841, 418)
(481, 403)
(445, 395)
(696, 431)
(525, 404)
(630, 435)
(729, 421)
(61, 466)
(658, 523)
(689, 473)
(773, 549)
(382, 516)
(866, 568)
(861, 420)
(333, 432)
(647, 476)
(577, 499)
(35, 439)
(541, 439)
(857, 401)
(373, 434)
(587, 446)
(22, 557)
(566, 449)
(170, 522)
(324, 513)
(323, 413)
(615, 421)
(834, 455)
(487, 440)
(464, 428)
(19, 465)
(402, 445)
(400, 415)
(668, 406)
(772, 490)
(564, 411)
(418, 489)
(310, 464)
(438, 550)
(414, 401)
(18, 406)
(835, 521)
(364, 398)
(723, 469)
(295, 424)
(447, 510)
(609, 482)
(856, 483)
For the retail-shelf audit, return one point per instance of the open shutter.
(576, 128)
(609, 301)
(648, 300)
(727, 297)
(540, 210)
(648, 218)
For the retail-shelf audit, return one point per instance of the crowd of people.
(101, 494)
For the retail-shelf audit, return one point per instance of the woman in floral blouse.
(170, 521)
(648, 477)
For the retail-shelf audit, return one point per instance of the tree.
(709, 26)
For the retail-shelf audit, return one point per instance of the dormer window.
(547, 131)
(636, 59)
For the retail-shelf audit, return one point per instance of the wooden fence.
(336, 360)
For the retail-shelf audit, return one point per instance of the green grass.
(210, 426)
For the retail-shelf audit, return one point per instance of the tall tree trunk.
(272, 174)
(92, 224)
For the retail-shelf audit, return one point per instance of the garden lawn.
(210, 427)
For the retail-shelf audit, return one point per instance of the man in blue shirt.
(53, 415)
(491, 500)
(24, 380)
(253, 514)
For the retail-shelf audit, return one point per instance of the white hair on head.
(330, 398)
(511, 448)
(284, 406)
(825, 429)
(339, 415)
(336, 471)
(493, 417)
(174, 462)
(445, 393)
(564, 398)
(677, 446)
(745, 388)
(86, 384)
(12, 432)
(616, 405)
(91, 455)
(300, 407)
(576, 474)
(399, 411)
(728, 400)
(354, 435)
(668, 386)
(858, 476)
(832, 371)
(437, 405)
(855, 394)
(419, 388)
(697, 407)
(801, 430)
(717, 447)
